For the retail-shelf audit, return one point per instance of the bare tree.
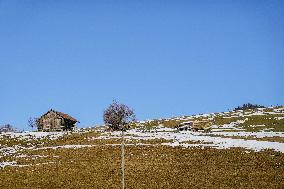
(33, 122)
(117, 116)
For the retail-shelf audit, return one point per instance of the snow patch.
(216, 142)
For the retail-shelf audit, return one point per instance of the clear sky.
(163, 58)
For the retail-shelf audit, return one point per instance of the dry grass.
(149, 167)
(269, 121)
(270, 139)
(151, 141)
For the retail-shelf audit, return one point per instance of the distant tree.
(33, 122)
(117, 116)
(249, 106)
(7, 128)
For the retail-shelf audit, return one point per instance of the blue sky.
(163, 58)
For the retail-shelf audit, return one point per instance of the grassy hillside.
(232, 155)
(148, 167)
(252, 119)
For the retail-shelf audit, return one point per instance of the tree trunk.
(122, 160)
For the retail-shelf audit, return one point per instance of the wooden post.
(122, 160)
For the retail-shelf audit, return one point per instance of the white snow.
(14, 164)
(11, 164)
(8, 163)
(8, 151)
(65, 146)
(262, 134)
(34, 135)
(217, 142)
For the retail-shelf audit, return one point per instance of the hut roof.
(63, 115)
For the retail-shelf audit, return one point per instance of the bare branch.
(117, 116)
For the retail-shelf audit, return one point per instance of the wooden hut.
(201, 125)
(56, 121)
(185, 126)
(194, 126)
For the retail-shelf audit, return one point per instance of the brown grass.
(270, 139)
(149, 167)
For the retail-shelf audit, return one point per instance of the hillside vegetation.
(245, 149)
